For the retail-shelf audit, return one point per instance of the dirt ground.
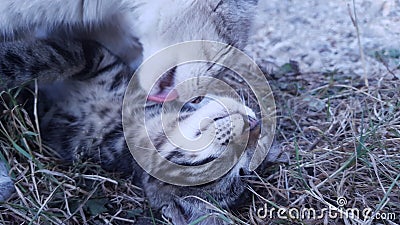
(321, 36)
(335, 126)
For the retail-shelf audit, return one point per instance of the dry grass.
(343, 139)
(48, 192)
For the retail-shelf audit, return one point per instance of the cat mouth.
(166, 95)
(166, 88)
(252, 122)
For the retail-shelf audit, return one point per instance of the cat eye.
(197, 100)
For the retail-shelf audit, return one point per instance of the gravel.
(320, 35)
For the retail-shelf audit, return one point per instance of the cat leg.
(101, 20)
(50, 14)
(50, 60)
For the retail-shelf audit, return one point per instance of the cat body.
(134, 29)
(83, 84)
(80, 118)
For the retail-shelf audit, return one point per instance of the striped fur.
(81, 88)
(133, 29)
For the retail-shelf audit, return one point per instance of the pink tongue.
(164, 96)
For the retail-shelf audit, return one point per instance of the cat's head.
(167, 23)
(204, 129)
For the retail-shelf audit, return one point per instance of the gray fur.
(88, 78)
(132, 29)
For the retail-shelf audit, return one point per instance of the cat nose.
(164, 88)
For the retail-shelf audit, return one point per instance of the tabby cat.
(86, 102)
(124, 26)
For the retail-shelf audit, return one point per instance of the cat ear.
(172, 212)
(189, 212)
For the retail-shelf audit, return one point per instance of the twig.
(354, 20)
